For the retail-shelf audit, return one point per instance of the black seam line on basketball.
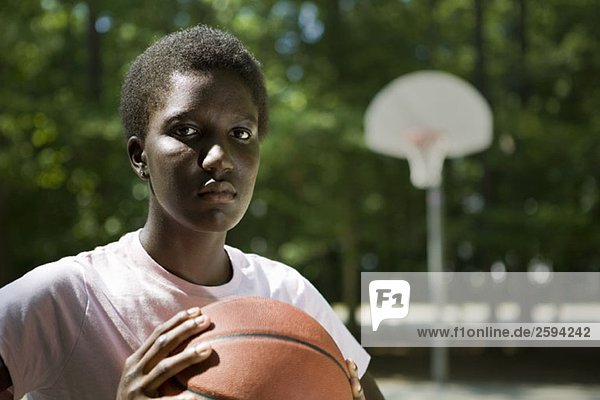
(181, 386)
(284, 338)
(279, 337)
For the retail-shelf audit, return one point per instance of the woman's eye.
(185, 131)
(241, 134)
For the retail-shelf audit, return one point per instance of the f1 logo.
(389, 299)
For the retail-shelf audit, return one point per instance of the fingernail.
(353, 365)
(193, 311)
(200, 320)
(202, 349)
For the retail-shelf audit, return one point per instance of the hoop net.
(425, 151)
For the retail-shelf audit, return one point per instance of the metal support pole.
(435, 251)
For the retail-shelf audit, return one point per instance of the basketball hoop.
(425, 117)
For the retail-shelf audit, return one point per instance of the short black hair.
(197, 49)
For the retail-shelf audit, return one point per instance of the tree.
(322, 200)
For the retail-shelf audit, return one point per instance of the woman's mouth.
(217, 192)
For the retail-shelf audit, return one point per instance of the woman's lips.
(217, 192)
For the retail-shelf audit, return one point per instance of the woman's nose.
(217, 159)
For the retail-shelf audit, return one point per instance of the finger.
(170, 340)
(170, 366)
(166, 326)
(357, 390)
(182, 396)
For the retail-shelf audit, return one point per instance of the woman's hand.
(152, 364)
(357, 390)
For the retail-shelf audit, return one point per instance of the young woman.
(92, 326)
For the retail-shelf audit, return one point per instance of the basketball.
(264, 349)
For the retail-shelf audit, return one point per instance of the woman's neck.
(198, 257)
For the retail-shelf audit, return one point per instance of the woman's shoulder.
(65, 276)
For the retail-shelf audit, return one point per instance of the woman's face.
(201, 152)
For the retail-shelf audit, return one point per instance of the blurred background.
(324, 203)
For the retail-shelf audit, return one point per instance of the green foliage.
(323, 200)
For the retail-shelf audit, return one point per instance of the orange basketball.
(264, 349)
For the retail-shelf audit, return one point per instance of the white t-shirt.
(67, 327)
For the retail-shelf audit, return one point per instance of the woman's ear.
(137, 157)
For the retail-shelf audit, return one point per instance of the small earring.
(143, 174)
